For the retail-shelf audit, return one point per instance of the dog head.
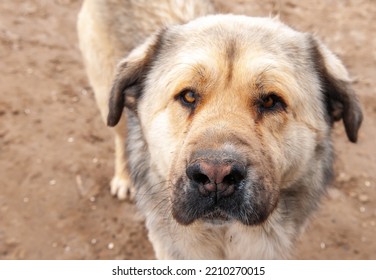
(235, 110)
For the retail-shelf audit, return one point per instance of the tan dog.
(228, 119)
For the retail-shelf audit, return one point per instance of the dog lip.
(216, 216)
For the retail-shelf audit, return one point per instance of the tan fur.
(231, 63)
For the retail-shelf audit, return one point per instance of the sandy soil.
(56, 155)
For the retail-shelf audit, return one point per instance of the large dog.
(226, 133)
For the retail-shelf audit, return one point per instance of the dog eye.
(270, 102)
(188, 98)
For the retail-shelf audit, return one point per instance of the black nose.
(216, 177)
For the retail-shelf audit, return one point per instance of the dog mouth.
(221, 187)
(217, 217)
(251, 204)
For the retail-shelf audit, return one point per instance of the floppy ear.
(342, 103)
(130, 73)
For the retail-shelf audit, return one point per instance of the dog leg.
(121, 185)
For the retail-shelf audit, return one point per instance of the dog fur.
(226, 135)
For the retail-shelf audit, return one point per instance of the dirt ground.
(56, 155)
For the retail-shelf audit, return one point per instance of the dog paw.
(122, 188)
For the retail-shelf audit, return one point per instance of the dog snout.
(217, 178)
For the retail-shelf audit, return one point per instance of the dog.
(222, 123)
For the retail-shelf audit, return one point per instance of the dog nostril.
(201, 178)
(229, 179)
(195, 174)
(236, 175)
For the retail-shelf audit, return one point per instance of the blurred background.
(56, 155)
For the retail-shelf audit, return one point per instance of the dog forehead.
(218, 39)
(218, 31)
(216, 44)
(230, 21)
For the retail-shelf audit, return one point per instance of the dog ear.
(341, 101)
(130, 73)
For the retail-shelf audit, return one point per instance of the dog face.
(234, 111)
